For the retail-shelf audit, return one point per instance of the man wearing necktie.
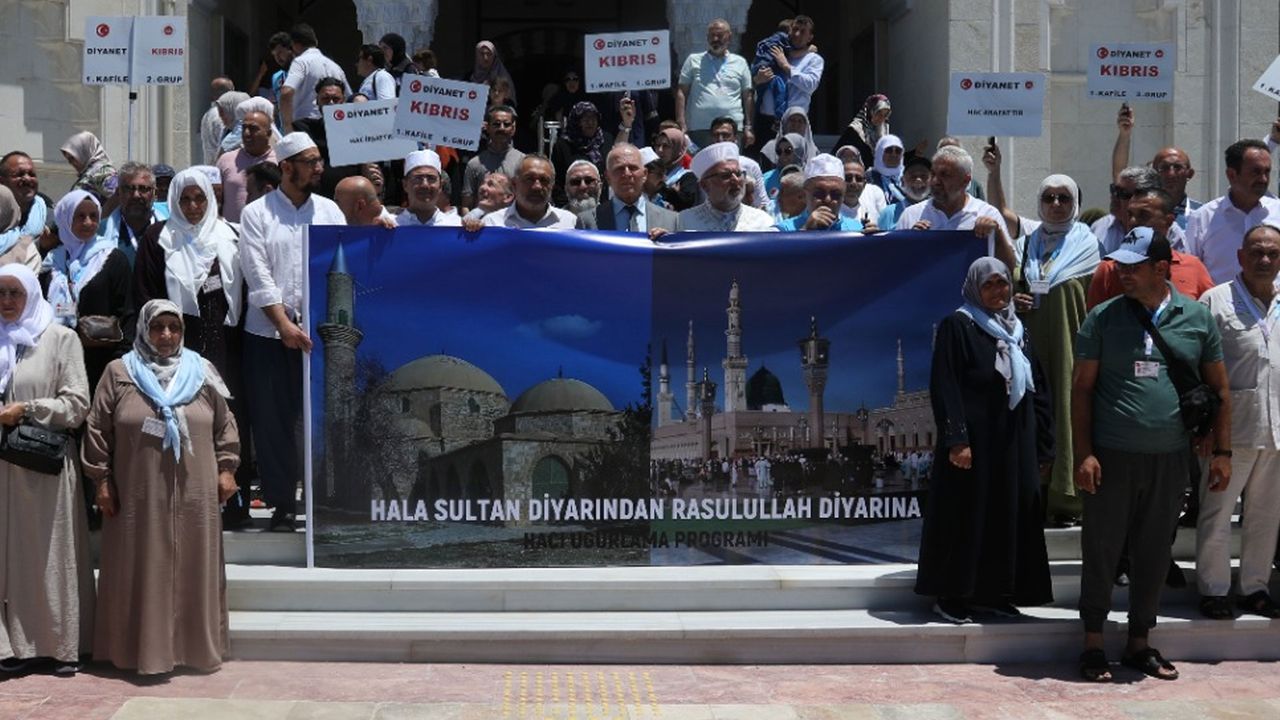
(627, 209)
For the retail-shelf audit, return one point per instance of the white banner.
(1009, 104)
(1269, 83)
(1133, 72)
(364, 132)
(160, 50)
(436, 111)
(106, 50)
(628, 61)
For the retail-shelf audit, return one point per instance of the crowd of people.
(149, 330)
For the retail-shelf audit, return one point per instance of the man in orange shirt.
(1153, 208)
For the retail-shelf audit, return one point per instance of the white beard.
(583, 205)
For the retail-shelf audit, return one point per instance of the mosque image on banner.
(439, 460)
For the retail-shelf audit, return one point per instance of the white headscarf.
(810, 149)
(190, 249)
(888, 141)
(26, 330)
(1056, 181)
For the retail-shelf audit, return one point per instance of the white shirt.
(1216, 229)
(272, 234)
(965, 219)
(1253, 364)
(871, 203)
(554, 219)
(806, 73)
(406, 218)
(211, 130)
(704, 218)
(1113, 233)
(379, 85)
(305, 71)
(759, 197)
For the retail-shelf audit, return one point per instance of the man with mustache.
(532, 209)
(722, 181)
(1216, 229)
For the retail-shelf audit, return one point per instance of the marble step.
(753, 637)
(620, 589)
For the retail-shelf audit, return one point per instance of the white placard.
(106, 50)
(1008, 104)
(364, 132)
(1132, 72)
(437, 111)
(160, 50)
(1269, 83)
(628, 61)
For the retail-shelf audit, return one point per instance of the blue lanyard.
(1147, 342)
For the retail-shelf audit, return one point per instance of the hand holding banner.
(1136, 72)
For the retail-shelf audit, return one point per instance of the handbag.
(34, 448)
(103, 329)
(1197, 402)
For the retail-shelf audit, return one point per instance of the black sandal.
(1150, 662)
(1260, 603)
(1094, 666)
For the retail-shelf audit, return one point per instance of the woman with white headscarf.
(1056, 261)
(794, 121)
(161, 444)
(95, 173)
(46, 576)
(886, 171)
(193, 260)
(982, 547)
(89, 283)
(16, 245)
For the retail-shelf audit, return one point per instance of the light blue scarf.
(183, 373)
(1011, 362)
(32, 228)
(1076, 255)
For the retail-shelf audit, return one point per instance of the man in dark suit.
(627, 209)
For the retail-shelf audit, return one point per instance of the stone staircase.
(281, 610)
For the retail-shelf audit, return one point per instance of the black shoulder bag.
(1198, 403)
(34, 448)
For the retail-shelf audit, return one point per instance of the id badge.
(211, 283)
(1146, 369)
(65, 310)
(1039, 287)
(153, 427)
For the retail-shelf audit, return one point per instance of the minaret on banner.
(691, 379)
(902, 370)
(341, 338)
(665, 398)
(735, 363)
(815, 353)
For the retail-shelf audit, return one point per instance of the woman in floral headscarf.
(96, 174)
(867, 127)
(583, 139)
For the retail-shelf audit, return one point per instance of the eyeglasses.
(137, 189)
(575, 182)
(12, 294)
(423, 179)
(306, 161)
(726, 174)
(825, 195)
(854, 178)
(1060, 198)
(1120, 193)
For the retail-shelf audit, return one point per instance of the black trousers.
(1138, 502)
(273, 393)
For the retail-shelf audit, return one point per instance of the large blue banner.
(530, 398)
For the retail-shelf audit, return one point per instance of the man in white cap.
(824, 190)
(951, 207)
(532, 209)
(272, 232)
(422, 192)
(722, 181)
(627, 208)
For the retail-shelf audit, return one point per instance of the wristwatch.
(1219, 452)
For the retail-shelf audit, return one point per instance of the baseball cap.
(1142, 244)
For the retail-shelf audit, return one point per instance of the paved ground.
(365, 691)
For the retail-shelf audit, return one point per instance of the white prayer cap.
(292, 144)
(648, 156)
(713, 154)
(824, 165)
(421, 158)
(255, 104)
(209, 171)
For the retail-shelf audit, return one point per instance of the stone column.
(414, 20)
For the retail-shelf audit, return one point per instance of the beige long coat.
(46, 580)
(162, 598)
